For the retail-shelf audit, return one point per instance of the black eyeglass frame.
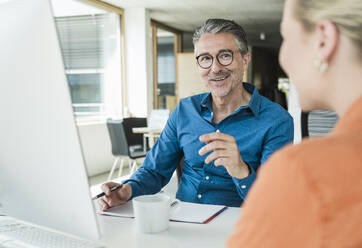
(217, 58)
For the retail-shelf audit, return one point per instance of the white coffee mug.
(152, 213)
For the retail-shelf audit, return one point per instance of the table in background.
(147, 132)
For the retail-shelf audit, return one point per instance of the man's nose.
(216, 67)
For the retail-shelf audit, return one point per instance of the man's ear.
(246, 60)
(328, 38)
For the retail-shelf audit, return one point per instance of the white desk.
(121, 232)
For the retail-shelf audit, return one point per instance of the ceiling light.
(262, 36)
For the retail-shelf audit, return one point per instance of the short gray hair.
(215, 26)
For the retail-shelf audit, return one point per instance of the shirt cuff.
(243, 185)
(136, 190)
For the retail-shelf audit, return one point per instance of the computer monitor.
(43, 179)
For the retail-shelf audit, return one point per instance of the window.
(91, 49)
(166, 66)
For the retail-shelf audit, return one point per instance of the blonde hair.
(345, 14)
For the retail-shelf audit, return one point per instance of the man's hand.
(114, 198)
(224, 152)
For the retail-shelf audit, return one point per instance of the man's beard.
(228, 75)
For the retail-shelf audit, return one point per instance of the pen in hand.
(117, 187)
(174, 203)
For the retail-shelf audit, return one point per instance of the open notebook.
(180, 212)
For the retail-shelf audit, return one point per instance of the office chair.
(135, 140)
(304, 124)
(125, 143)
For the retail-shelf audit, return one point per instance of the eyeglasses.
(224, 57)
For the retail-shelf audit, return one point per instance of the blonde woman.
(310, 195)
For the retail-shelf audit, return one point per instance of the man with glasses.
(224, 136)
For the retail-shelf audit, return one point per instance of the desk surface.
(121, 232)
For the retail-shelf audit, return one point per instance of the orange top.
(308, 195)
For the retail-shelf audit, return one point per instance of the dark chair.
(125, 143)
(304, 124)
(135, 140)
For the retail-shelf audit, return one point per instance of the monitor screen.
(43, 178)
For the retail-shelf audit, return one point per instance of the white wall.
(138, 61)
(112, 82)
(97, 148)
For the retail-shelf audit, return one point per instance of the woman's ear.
(328, 39)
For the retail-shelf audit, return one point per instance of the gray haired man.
(224, 135)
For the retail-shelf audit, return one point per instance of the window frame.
(102, 116)
(177, 49)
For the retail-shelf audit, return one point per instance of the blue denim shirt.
(260, 128)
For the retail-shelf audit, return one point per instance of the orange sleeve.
(280, 210)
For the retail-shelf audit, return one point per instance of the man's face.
(220, 79)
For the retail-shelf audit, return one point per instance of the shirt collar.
(254, 103)
(206, 102)
(255, 100)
